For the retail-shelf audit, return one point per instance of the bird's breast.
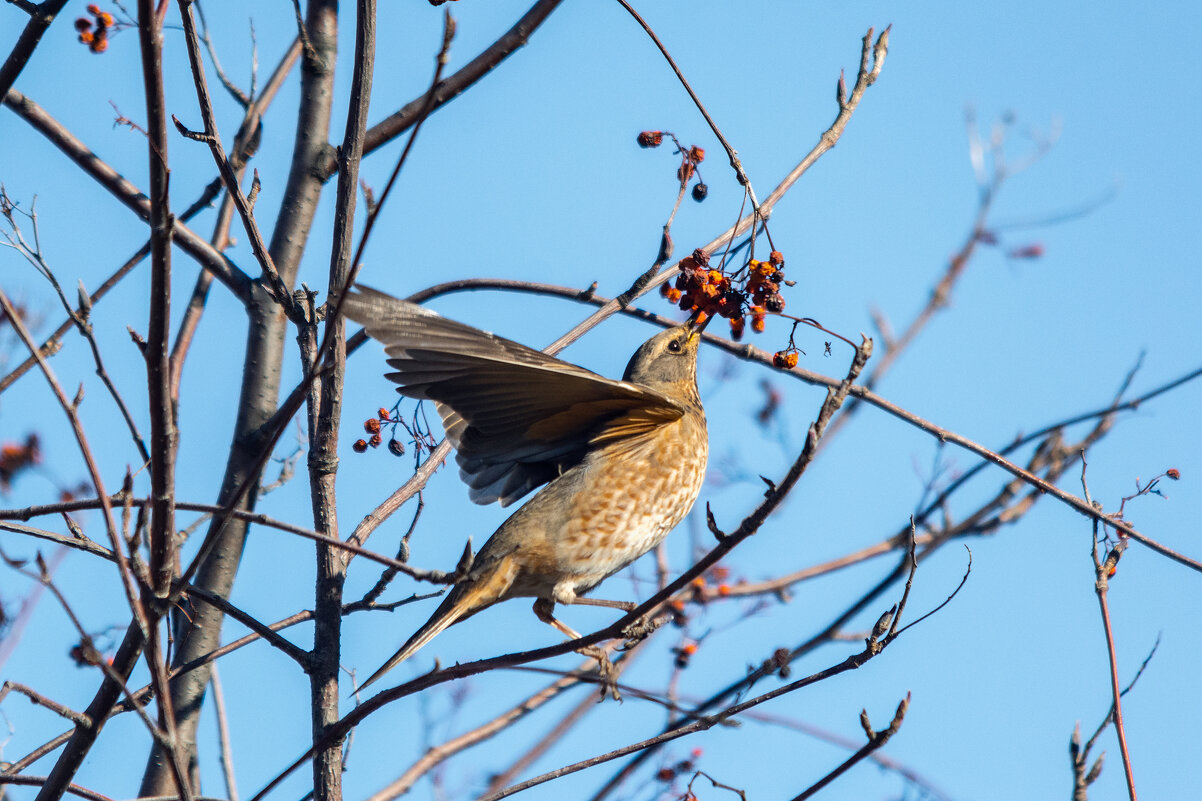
(632, 493)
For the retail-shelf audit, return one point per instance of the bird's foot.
(605, 671)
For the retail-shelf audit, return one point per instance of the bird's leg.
(544, 608)
(625, 606)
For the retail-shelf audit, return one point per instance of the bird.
(622, 461)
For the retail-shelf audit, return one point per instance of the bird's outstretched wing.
(516, 416)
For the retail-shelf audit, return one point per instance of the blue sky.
(535, 175)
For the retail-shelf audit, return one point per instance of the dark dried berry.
(360, 446)
(774, 303)
(651, 138)
(700, 192)
(395, 447)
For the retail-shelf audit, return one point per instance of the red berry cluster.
(95, 32)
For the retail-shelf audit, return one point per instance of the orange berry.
(784, 359)
(383, 413)
(757, 324)
(699, 582)
(93, 9)
(724, 589)
(371, 425)
(696, 154)
(360, 446)
(1173, 473)
(105, 19)
(689, 650)
(86, 37)
(375, 440)
(777, 258)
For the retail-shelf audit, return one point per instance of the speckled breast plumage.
(608, 511)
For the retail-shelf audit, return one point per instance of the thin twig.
(42, 781)
(731, 153)
(127, 579)
(229, 174)
(875, 741)
(400, 121)
(188, 240)
(223, 735)
(40, 16)
(80, 318)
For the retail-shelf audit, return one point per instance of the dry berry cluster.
(670, 772)
(752, 291)
(372, 426)
(95, 32)
(418, 431)
(689, 159)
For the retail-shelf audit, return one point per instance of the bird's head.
(668, 357)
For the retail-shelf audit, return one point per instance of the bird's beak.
(695, 326)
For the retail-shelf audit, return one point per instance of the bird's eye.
(674, 346)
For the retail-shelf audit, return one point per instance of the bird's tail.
(464, 601)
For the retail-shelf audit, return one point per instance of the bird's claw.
(606, 672)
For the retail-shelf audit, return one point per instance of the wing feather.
(516, 416)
